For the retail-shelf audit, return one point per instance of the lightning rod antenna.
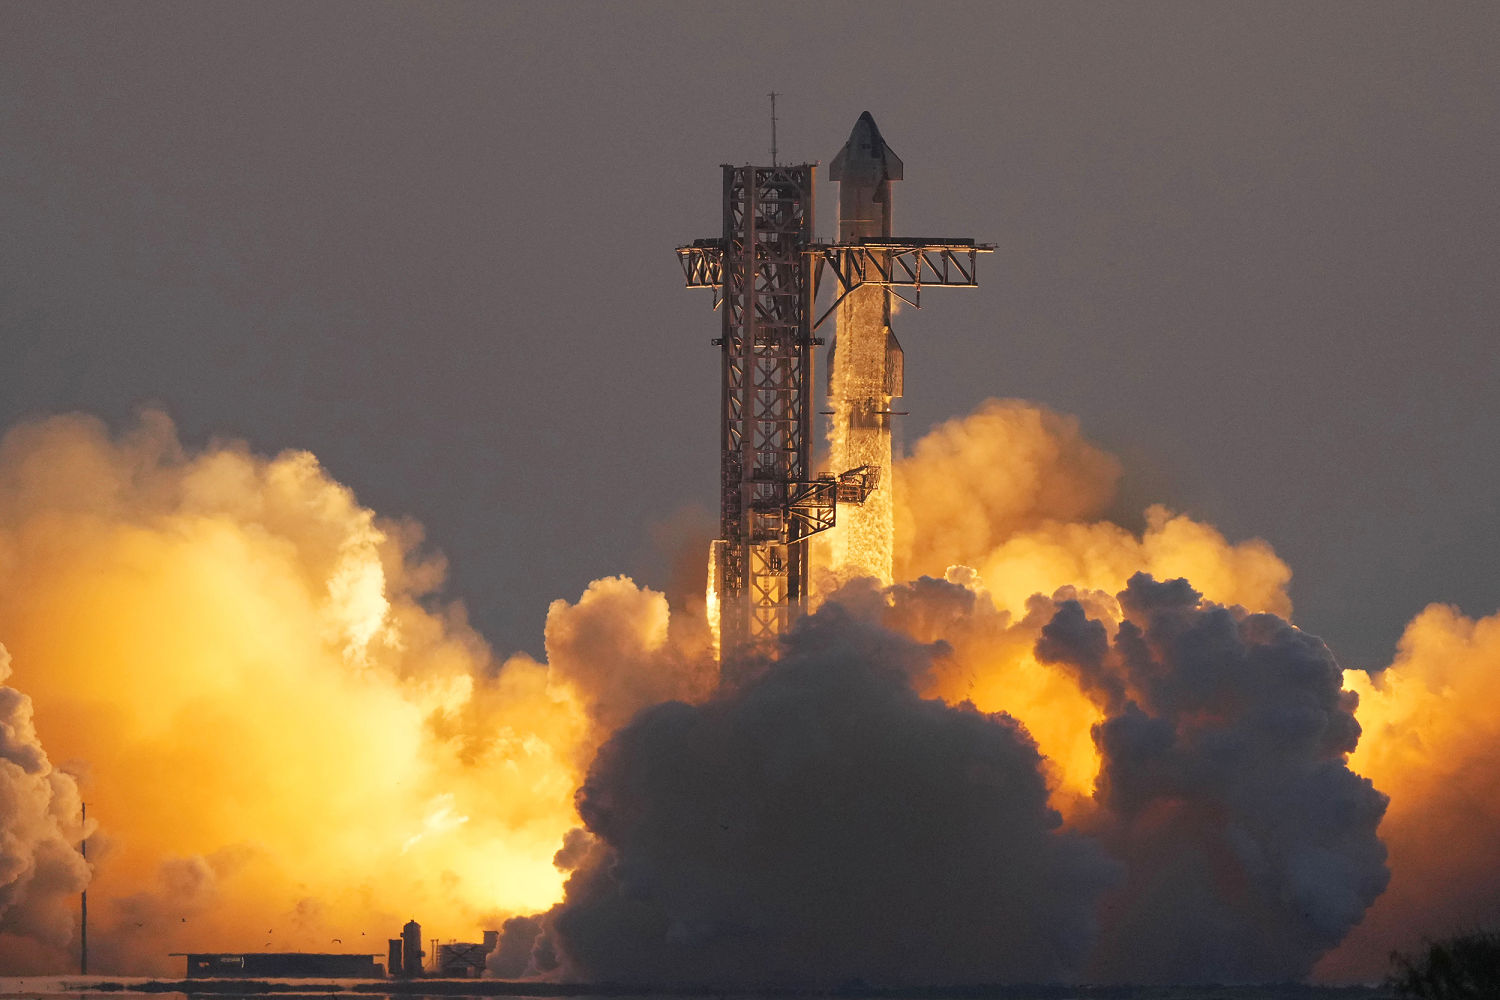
(773, 128)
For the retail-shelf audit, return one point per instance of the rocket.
(865, 367)
(864, 169)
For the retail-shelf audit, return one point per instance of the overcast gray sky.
(1252, 246)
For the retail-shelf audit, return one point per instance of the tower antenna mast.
(773, 129)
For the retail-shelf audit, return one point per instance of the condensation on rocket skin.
(861, 543)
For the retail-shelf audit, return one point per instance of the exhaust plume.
(822, 823)
(41, 871)
(1015, 492)
(973, 483)
(1028, 761)
(1225, 789)
(1012, 497)
(284, 725)
(618, 650)
(1432, 738)
(1245, 838)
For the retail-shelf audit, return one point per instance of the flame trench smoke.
(823, 821)
(41, 872)
(1249, 844)
(1202, 820)
(1045, 756)
(287, 738)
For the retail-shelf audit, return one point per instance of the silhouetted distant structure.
(393, 956)
(411, 949)
(461, 959)
(280, 965)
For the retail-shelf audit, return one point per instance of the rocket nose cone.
(865, 136)
(865, 152)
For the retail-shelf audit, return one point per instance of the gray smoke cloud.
(1250, 846)
(512, 958)
(821, 823)
(619, 651)
(41, 871)
(817, 821)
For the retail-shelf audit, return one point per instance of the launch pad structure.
(766, 272)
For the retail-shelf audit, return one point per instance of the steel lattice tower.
(765, 272)
(765, 440)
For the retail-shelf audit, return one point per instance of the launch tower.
(765, 272)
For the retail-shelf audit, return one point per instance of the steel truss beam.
(897, 264)
(890, 263)
(815, 504)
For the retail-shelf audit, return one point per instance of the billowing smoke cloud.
(989, 661)
(617, 649)
(823, 823)
(513, 958)
(973, 483)
(1011, 501)
(290, 737)
(1432, 742)
(1250, 845)
(41, 871)
(281, 724)
(1247, 845)
(1016, 493)
(811, 825)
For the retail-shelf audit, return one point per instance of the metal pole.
(83, 934)
(773, 129)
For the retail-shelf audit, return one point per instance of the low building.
(461, 959)
(280, 965)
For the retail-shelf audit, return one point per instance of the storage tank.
(411, 949)
(393, 956)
